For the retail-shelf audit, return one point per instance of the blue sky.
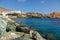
(42, 6)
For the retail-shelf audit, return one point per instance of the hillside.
(3, 10)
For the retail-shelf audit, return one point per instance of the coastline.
(20, 29)
(14, 27)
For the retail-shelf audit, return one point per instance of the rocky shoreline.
(16, 31)
(11, 30)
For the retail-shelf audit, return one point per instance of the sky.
(41, 6)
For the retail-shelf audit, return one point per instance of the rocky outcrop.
(55, 15)
(52, 15)
(35, 35)
(15, 36)
(11, 30)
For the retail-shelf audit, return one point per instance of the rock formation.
(52, 15)
(11, 30)
(55, 15)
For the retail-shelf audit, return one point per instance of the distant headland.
(20, 14)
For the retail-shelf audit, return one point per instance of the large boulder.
(35, 35)
(3, 24)
(15, 36)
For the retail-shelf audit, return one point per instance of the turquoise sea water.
(44, 26)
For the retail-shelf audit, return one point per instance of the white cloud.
(42, 1)
(21, 0)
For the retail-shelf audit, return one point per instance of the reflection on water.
(43, 25)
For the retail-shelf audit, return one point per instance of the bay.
(43, 25)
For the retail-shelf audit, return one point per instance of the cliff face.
(53, 15)
(56, 15)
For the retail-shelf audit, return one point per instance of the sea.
(49, 28)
